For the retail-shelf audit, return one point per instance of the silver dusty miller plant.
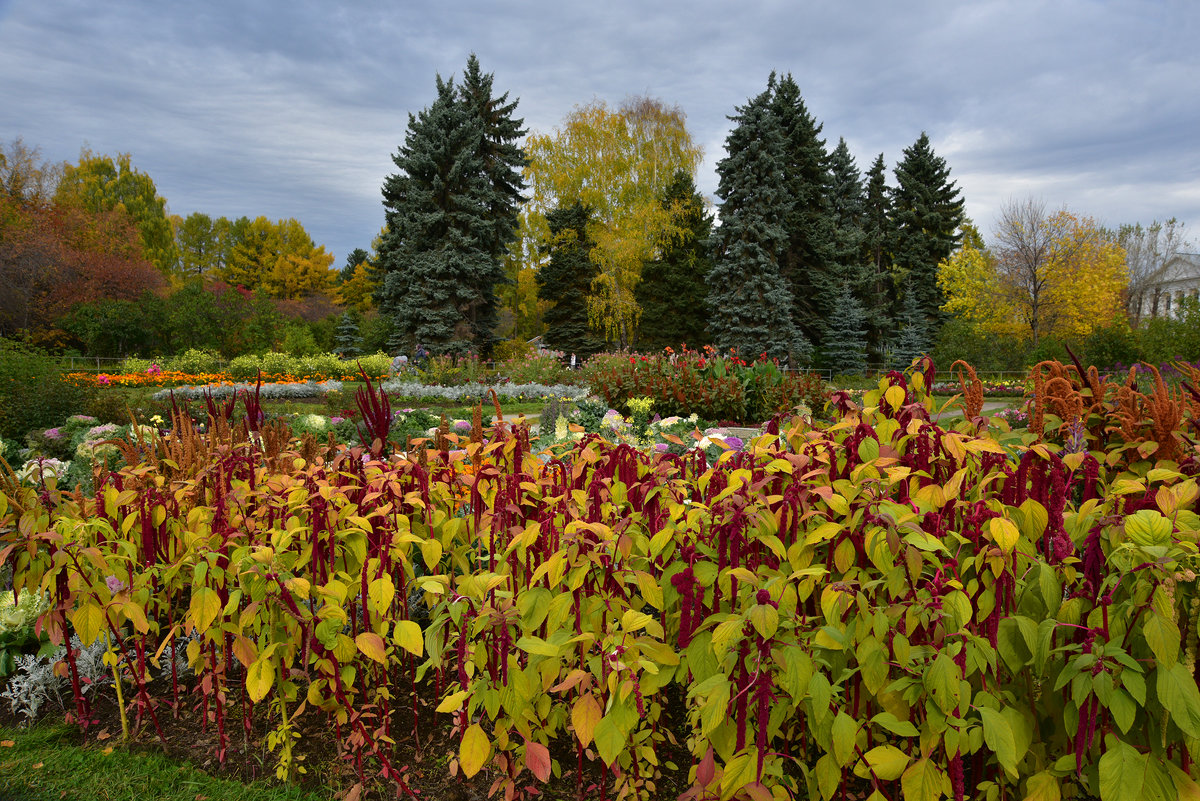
(34, 683)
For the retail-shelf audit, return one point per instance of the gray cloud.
(293, 109)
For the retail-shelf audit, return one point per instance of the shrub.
(452, 371)
(32, 392)
(194, 361)
(537, 368)
(319, 366)
(715, 388)
(375, 365)
(298, 340)
(134, 364)
(511, 350)
(244, 368)
(274, 363)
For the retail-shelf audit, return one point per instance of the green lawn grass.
(43, 763)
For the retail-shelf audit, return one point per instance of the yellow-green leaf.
(88, 620)
(408, 636)
(999, 737)
(887, 762)
(204, 608)
(609, 739)
(922, 782)
(453, 702)
(1042, 787)
(474, 751)
(1122, 772)
(259, 679)
(765, 619)
(1005, 533)
(373, 646)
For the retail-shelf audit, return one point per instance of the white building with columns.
(1181, 279)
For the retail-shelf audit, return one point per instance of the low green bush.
(32, 392)
(195, 361)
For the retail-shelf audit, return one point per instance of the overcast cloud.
(292, 108)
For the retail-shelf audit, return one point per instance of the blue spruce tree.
(750, 306)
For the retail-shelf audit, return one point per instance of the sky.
(294, 108)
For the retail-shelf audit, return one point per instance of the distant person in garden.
(420, 356)
(573, 361)
(399, 364)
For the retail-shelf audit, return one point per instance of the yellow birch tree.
(1047, 274)
(617, 162)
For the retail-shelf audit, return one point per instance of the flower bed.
(879, 605)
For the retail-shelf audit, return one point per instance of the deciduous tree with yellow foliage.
(617, 163)
(1047, 275)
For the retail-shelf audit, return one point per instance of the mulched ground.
(424, 760)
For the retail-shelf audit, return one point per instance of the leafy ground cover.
(879, 607)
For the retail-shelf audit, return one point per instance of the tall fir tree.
(566, 279)
(844, 348)
(927, 210)
(450, 212)
(912, 337)
(805, 262)
(748, 298)
(503, 162)
(877, 238)
(347, 341)
(877, 219)
(672, 293)
(353, 259)
(846, 207)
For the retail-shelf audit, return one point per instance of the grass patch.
(45, 762)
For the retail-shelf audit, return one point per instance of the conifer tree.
(748, 296)
(566, 279)
(876, 219)
(353, 259)
(672, 293)
(805, 262)
(846, 206)
(503, 160)
(912, 339)
(845, 345)
(450, 212)
(927, 210)
(347, 341)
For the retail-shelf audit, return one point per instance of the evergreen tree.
(805, 262)
(503, 160)
(566, 279)
(353, 259)
(748, 296)
(877, 219)
(881, 299)
(450, 212)
(927, 210)
(347, 341)
(845, 343)
(912, 340)
(846, 206)
(672, 293)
